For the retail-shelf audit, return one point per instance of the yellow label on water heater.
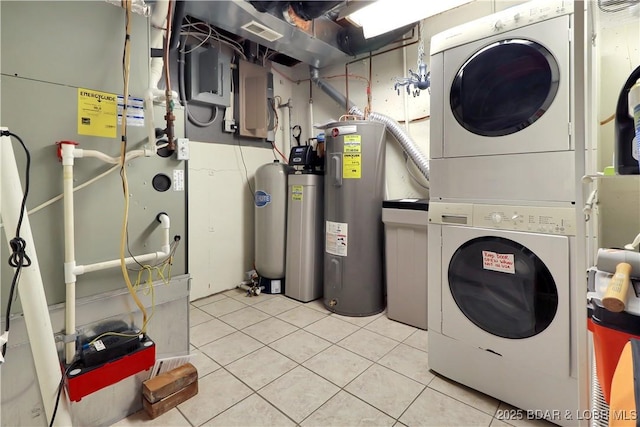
(351, 165)
(296, 192)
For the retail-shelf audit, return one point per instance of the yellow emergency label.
(97, 113)
(352, 165)
(296, 192)
(352, 143)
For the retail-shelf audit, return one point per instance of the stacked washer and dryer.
(502, 214)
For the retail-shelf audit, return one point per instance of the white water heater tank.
(270, 200)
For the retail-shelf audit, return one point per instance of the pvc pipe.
(31, 292)
(69, 257)
(158, 20)
(80, 153)
(105, 265)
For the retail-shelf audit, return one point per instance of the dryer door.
(509, 94)
(508, 293)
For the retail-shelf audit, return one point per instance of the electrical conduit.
(31, 292)
(408, 145)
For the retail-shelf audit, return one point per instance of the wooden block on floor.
(160, 407)
(163, 385)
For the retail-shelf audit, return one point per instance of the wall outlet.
(229, 126)
(182, 149)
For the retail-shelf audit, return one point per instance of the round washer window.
(504, 87)
(503, 287)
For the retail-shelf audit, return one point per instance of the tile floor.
(272, 361)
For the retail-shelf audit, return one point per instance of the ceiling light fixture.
(383, 16)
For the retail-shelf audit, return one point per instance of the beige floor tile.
(388, 391)
(390, 328)
(240, 295)
(169, 419)
(222, 307)
(419, 339)
(331, 329)
(338, 365)
(399, 424)
(300, 345)
(209, 331)
(317, 305)
(498, 423)
(275, 306)
(464, 394)
(345, 410)
(197, 316)
(301, 316)
(368, 344)
(356, 320)
(244, 317)
(298, 393)
(208, 300)
(203, 363)
(269, 330)
(409, 362)
(432, 408)
(216, 392)
(261, 367)
(231, 348)
(253, 411)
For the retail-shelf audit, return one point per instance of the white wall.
(221, 207)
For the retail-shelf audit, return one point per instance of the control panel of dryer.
(535, 219)
(500, 22)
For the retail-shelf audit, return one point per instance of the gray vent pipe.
(408, 145)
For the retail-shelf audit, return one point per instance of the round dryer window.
(504, 87)
(503, 287)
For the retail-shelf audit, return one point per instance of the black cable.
(64, 375)
(18, 257)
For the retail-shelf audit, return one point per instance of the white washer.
(501, 106)
(499, 298)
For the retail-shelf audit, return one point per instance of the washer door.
(509, 93)
(508, 293)
(503, 287)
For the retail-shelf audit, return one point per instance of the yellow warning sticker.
(296, 192)
(352, 143)
(97, 113)
(352, 165)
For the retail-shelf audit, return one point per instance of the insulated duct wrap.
(407, 144)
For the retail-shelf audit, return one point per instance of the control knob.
(498, 25)
(496, 218)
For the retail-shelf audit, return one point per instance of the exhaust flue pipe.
(407, 144)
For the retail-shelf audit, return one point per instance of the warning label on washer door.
(336, 238)
(494, 261)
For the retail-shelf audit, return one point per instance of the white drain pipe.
(31, 292)
(393, 127)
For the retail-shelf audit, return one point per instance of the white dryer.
(499, 303)
(501, 106)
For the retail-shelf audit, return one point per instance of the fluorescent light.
(383, 16)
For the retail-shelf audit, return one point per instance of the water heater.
(353, 234)
(270, 201)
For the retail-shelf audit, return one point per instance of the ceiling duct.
(322, 44)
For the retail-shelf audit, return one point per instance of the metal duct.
(407, 144)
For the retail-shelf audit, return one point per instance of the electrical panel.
(207, 76)
(253, 103)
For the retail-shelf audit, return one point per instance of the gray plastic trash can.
(405, 229)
